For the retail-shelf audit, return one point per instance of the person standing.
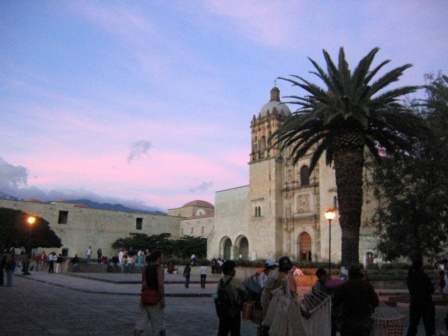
(43, 260)
(140, 255)
(99, 254)
(123, 262)
(2, 268)
(230, 319)
(75, 263)
(153, 278)
(10, 268)
(203, 272)
(357, 299)
(51, 260)
(129, 264)
(269, 266)
(421, 306)
(89, 254)
(38, 259)
(320, 287)
(187, 272)
(59, 261)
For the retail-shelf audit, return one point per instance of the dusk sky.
(149, 103)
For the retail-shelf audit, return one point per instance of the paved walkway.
(124, 283)
(106, 304)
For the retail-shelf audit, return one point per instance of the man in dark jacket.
(420, 288)
(358, 299)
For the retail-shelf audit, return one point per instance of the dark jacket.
(358, 298)
(420, 287)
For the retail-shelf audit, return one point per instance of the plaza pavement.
(106, 304)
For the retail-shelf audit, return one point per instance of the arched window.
(304, 176)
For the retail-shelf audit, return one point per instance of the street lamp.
(31, 220)
(329, 214)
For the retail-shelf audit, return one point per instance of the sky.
(149, 103)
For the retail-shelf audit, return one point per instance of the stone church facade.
(280, 212)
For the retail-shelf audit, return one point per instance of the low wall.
(389, 279)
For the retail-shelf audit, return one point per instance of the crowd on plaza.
(260, 296)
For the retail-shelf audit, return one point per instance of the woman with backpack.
(229, 301)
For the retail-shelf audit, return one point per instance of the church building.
(281, 211)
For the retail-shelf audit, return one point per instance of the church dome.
(199, 203)
(275, 105)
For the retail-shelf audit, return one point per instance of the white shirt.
(203, 270)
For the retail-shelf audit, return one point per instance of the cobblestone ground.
(35, 309)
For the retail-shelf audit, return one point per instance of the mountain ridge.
(93, 205)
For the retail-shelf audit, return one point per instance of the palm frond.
(361, 71)
(389, 78)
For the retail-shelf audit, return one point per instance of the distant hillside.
(94, 205)
(8, 197)
(109, 206)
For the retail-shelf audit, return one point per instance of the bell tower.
(266, 178)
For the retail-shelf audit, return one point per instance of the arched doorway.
(304, 247)
(243, 248)
(369, 258)
(226, 245)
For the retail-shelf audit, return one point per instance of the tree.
(16, 232)
(413, 188)
(351, 114)
(188, 245)
(183, 247)
(141, 241)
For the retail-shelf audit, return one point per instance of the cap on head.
(270, 263)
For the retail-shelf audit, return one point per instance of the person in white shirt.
(269, 266)
(203, 272)
(129, 264)
(89, 254)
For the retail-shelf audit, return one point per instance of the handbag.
(150, 297)
(257, 313)
(247, 310)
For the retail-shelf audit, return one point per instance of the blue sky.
(149, 102)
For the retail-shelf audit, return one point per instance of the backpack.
(225, 302)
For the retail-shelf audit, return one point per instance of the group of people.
(51, 261)
(99, 253)
(354, 299)
(217, 265)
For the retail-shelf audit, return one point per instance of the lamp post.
(31, 220)
(329, 214)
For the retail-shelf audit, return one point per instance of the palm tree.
(351, 114)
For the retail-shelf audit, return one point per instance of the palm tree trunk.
(348, 164)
